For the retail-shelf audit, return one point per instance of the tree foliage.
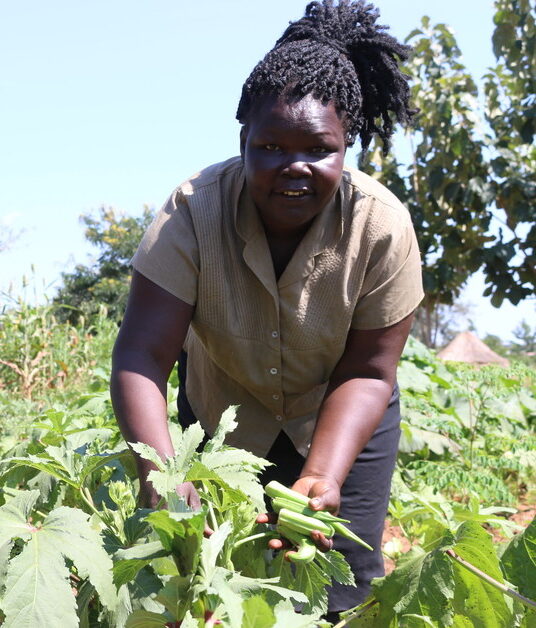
(461, 178)
(106, 281)
(510, 90)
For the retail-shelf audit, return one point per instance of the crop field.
(75, 550)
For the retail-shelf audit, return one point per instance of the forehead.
(308, 115)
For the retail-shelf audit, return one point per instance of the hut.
(466, 347)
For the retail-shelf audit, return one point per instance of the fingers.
(322, 543)
(267, 517)
(324, 492)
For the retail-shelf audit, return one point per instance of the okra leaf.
(475, 598)
(311, 580)
(257, 613)
(231, 601)
(14, 516)
(286, 616)
(38, 591)
(211, 548)
(244, 585)
(146, 619)
(227, 424)
(190, 440)
(5, 552)
(423, 585)
(519, 561)
(336, 567)
(181, 534)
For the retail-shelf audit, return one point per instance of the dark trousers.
(364, 495)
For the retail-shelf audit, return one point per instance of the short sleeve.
(392, 287)
(168, 253)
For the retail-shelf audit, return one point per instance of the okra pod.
(275, 489)
(339, 528)
(323, 515)
(302, 523)
(306, 549)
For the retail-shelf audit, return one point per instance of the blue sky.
(113, 103)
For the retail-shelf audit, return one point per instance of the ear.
(243, 137)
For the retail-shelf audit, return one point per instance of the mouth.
(295, 193)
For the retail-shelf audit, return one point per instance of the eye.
(321, 149)
(271, 147)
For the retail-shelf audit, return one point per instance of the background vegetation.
(467, 453)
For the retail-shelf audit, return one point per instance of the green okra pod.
(323, 515)
(302, 523)
(275, 489)
(343, 531)
(306, 549)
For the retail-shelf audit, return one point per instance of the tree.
(525, 339)
(459, 179)
(447, 322)
(445, 183)
(510, 88)
(107, 280)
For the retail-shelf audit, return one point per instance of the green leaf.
(336, 567)
(14, 517)
(230, 600)
(42, 464)
(146, 619)
(423, 585)
(69, 532)
(414, 439)
(148, 453)
(5, 552)
(286, 616)
(311, 580)
(519, 561)
(38, 591)
(227, 424)
(211, 548)
(410, 377)
(176, 596)
(181, 534)
(247, 586)
(257, 613)
(475, 598)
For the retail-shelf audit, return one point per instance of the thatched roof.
(466, 347)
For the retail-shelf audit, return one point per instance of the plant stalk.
(253, 537)
(491, 581)
(356, 614)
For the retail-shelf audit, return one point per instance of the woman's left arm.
(355, 402)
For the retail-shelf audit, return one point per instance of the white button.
(278, 418)
(273, 371)
(276, 397)
(275, 334)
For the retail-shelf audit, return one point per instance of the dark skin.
(293, 156)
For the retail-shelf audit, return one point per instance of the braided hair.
(337, 53)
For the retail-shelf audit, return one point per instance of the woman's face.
(293, 157)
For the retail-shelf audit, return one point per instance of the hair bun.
(346, 26)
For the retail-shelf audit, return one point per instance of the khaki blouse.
(270, 346)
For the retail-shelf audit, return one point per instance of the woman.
(290, 282)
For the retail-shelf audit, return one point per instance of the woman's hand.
(324, 492)
(325, 495)
(149, 498)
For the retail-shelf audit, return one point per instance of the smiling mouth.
(295, 193)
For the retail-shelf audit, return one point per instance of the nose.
(296, 167)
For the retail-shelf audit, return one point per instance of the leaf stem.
(253, 537)
(494, 583)
(356, 614)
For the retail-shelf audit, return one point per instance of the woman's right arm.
(148, 344)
